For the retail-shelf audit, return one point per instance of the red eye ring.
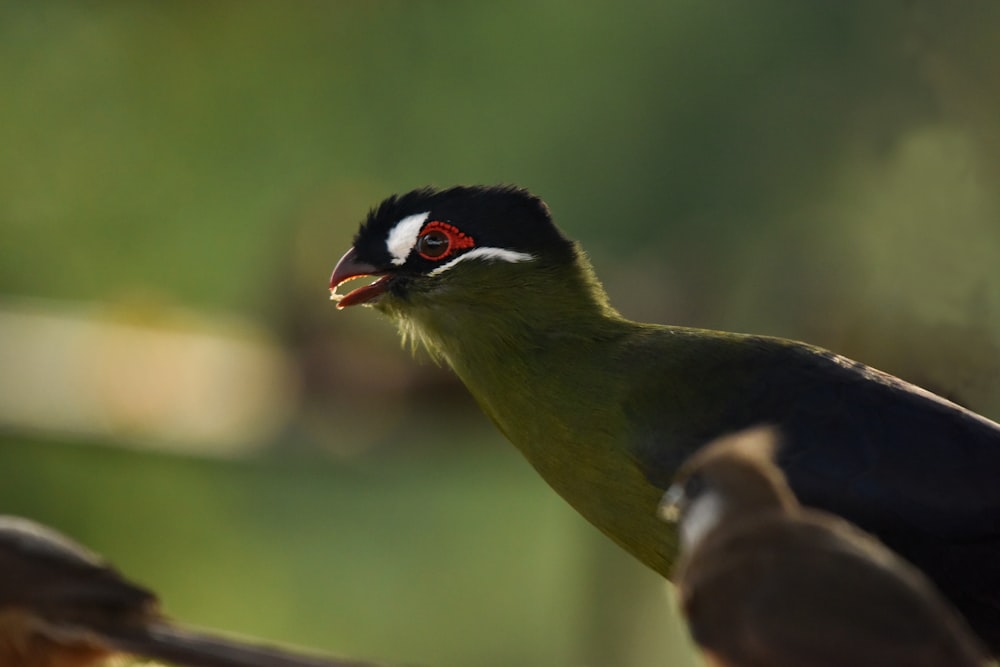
(439, 240)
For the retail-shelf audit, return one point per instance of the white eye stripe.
(501, 254)
(403, 236)
(702, 515)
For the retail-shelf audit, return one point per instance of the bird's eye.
(433, 244)
(440, 239)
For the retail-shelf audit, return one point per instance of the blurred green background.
(178, 179)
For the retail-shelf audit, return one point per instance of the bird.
(61, 605)
(606, 409)
(764, 582)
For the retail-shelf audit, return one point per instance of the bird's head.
(730, 476)
(468, 262)
(428, 241)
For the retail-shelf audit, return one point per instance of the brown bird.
(764, 582)
(62, 606)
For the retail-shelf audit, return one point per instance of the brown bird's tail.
(192, 648)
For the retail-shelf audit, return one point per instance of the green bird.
(606, 409)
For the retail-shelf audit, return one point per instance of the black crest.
(500, 216)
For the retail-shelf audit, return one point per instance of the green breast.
(563, 404)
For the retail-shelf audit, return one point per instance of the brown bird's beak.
(350, 267)
(672, 504)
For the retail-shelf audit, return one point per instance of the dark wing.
(851, 436)
(918, 471)
(863, 439)
(778, 593)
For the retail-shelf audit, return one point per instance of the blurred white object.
(178, 380)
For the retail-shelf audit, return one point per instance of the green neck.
(474, 326)
(517, 335)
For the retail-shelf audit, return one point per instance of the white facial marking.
(501, 254)
(700, 517)
(670, 505)
(403, 236)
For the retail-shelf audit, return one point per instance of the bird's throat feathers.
(494, 308)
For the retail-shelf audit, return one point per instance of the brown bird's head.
(732, 476)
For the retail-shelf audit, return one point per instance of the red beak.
(349, 268)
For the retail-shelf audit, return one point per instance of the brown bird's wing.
(61, 582)
(814, 592)
(54, 594)
(60, 604)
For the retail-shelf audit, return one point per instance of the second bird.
(763, 582)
